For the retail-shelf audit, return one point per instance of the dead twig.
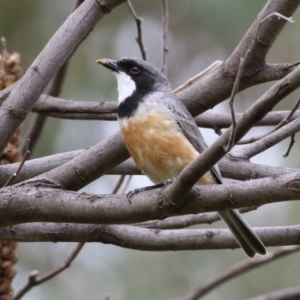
(235, 89)
(165, 22)
(278, 15)
(187, 220)
(25, 156)
(139, 38)
(34, 281)
(231, 139)
(118, 184)
(283, 122)
(292, 293)
(127, 184)
(292, 142)
(237, 269)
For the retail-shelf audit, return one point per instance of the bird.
(162, 136)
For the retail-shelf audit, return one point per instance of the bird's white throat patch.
(126, 86)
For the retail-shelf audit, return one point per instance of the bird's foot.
(146, 188)
(168, 182)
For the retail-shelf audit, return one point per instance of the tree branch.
(88, 110)
(89, 165)
(22, 99)
(165, 22)
(285, 121)
(203, 95)
(230, 166)
(191, 174)
(37, 201)
(138, 238)
(187, 220)
(269, 140)
(139, 38)
(284, 294)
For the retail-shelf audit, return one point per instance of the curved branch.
(284, 294)
(34, 280)
(134, 237)
(238, 269)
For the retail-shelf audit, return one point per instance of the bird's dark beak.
(109, 64)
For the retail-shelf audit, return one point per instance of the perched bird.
(162, 136)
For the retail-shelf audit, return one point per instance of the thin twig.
(165, 21)
(218, 131)
(33, 280)
(237, 269)
(292, 293)
(231, 139)
(292, 142)
(126, 184)
(280, 16)
(187, 220)
(268, 141)
(139, 38)
(210, 69)
(25, 156)
(118, 184)
(235, 89)
(283, 122)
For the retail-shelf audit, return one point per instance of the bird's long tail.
(245, 236)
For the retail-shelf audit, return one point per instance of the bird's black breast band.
(127, 108)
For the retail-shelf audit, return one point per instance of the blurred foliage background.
(200, 33)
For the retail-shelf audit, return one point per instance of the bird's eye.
(134, 70)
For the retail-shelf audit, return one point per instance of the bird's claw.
(131, 194)
(169, 181)
(147, 188)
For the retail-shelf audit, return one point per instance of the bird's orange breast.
(158, 146)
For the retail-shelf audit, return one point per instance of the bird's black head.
(135, 75)
(136, 79)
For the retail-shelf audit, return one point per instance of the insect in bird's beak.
(109, 64)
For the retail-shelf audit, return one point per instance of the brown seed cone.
(10, 72)
(8, 258)
(10, 69)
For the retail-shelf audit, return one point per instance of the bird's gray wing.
(190, 129)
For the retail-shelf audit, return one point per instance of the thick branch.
(89, 165)
(37, 201)
(21, 100)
